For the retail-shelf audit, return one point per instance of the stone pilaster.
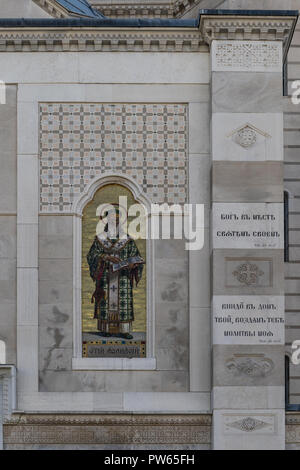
(247, 230)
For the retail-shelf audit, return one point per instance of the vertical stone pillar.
(247, 233)
(27, 244)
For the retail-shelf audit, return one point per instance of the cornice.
(169, 9)
(173, 9)
(249, 28)
(143, 35)
(104, 39)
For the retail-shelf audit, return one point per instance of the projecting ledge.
(96, 363)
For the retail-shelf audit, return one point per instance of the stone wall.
(56, 251)
(181, 380)
(291, 180)
(56, 320)
(176, 71)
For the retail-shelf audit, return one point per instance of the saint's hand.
(113, 259)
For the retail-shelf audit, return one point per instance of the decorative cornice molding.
(173, 9)
(110, 419)
(104, 39)
(235, 27)
(168, 9)
(170, 35)
(132, 10)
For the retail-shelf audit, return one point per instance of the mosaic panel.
(80, 142)
(113, 291)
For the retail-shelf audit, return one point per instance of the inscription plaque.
(114, 349)
(255, 225)
(248, 319)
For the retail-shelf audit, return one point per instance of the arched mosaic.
(114, 299)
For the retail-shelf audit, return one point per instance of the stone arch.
(110, 178)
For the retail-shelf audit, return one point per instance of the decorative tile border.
(95, 429)
(80, 142)
(96, 419)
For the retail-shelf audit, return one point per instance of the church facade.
(149, 224)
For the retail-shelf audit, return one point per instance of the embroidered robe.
(113, 299)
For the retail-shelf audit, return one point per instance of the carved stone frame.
(197, 399)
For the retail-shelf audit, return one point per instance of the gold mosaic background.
(108, 194)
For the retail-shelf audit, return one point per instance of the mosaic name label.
(99, 349)
(258, 225)
(248, 319)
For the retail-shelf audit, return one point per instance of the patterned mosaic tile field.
(80, 142)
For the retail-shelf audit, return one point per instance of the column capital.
(248, 25)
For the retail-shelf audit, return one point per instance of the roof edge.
(137, 22)
(96, 23)
(248, 12)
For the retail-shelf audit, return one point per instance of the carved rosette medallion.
(248, 424)
(248, 273)
(246, 137)
(250, 366)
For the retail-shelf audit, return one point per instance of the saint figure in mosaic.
(115, 264)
